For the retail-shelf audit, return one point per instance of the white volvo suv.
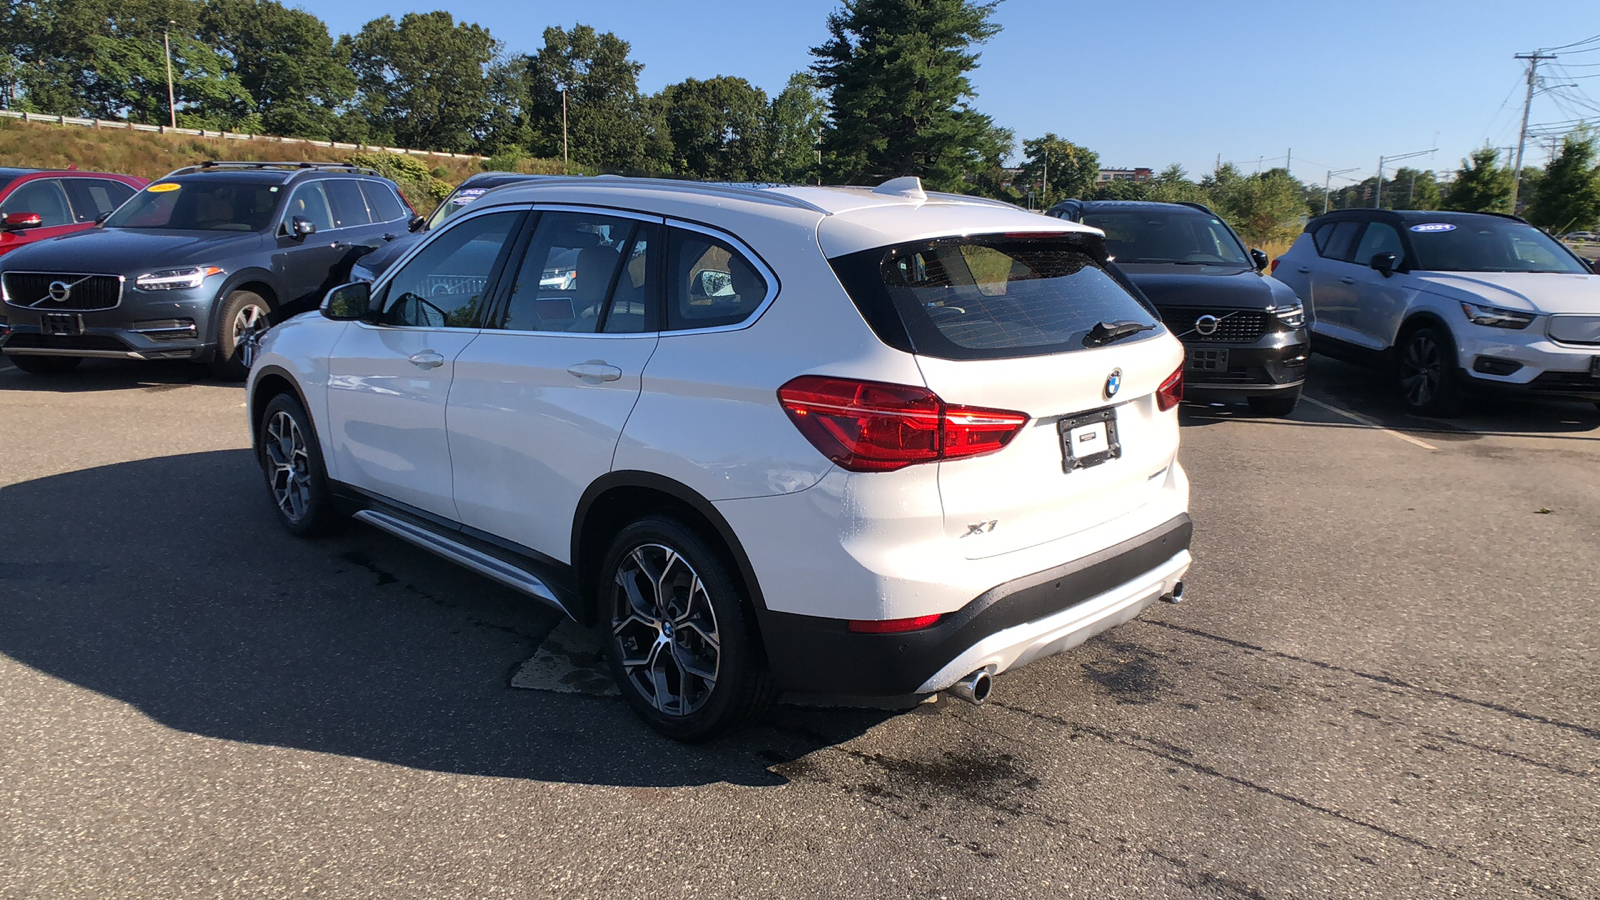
(833, 440)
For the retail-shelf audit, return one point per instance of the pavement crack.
(1586, 731)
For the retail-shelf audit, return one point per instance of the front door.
(541, 397)
(388, 381)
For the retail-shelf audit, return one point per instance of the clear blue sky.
(1152, 83)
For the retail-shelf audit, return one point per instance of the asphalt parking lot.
(1382, 685)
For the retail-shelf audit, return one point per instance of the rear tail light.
(868, 426)
(1272, 269)
(1170, 393)
(892, 626)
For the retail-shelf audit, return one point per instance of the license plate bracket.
(62, 324)
(1208, 360)
(1088, 439)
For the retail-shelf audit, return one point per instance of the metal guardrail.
(232, 136)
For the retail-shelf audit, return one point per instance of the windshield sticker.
(1432, 227)
(467, 196)
(163, 187)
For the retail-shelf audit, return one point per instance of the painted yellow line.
(1357, 417)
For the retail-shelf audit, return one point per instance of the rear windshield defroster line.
(991, 296)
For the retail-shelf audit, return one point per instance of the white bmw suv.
(832, 440)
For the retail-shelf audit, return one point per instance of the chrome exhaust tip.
(1176, 596)
(974, 688)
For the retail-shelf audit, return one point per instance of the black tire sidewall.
(743, 683)
(1447, 398)
(321, 514)
(229, 362)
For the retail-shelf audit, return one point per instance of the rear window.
(383, 201)
(991, 298)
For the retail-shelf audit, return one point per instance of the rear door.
(389, 381)
(1333, 282)
(1011, 325)
(541, 397)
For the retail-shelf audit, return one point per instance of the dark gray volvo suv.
(195, 264)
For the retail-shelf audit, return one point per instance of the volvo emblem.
(1113, 383)
(1207, 325)
(59, 291)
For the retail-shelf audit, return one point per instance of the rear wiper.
(1106, 332)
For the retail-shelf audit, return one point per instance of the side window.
(1379, 238)
(1333, 241)
(349, 206)
(384, 203)
(310, 201)
(709, 283)
(583, 273)
(94, 197)
(43, 197)
(443, 286)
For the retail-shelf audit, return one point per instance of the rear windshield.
(201, 204)
(992, 298)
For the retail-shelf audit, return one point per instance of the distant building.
(1140, 174)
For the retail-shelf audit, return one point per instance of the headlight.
(175, 279)
(1497, 318)
(1290, 314)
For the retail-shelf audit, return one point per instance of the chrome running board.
(488, 566)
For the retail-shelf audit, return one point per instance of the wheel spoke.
(666, 629)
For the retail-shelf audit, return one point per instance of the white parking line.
(1357, 417)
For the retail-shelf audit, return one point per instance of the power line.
(1587, 40)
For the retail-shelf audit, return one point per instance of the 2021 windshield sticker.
(1433, 227)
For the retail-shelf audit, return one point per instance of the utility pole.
(172, 106)
(1327, 185)
(1527, 104)
(1046, 190)
(1377, 202)
(1288, 161)
(563, 130)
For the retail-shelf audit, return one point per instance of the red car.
(38, 203)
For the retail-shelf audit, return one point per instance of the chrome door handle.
(595, 370)
(1304, 270)
(339, 245)
(426, 359)
(1346, 279)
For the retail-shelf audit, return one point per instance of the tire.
(45, 365)
(245, 314)
(291, 465)
(1274, 405)
(687, 661)
(1426, 373)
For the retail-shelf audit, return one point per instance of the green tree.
(423, 80)
(794, 124)
(608, 123)
(895, 72)
(1057, 169)
(717, 128)
(1568, 198)
(285, 61)
(1264, 208)
(1411, 189)
(1172, 185)
(1481, 184)
(1122, 189)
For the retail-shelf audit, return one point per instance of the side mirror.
(1259, 258)
(301, 228)
(416, 224)
(348, 302)
(19, 221)
(1384, 262)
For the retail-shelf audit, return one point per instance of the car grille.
(1575, 329)
(84, 293)
(1239, 326)
(30, 341)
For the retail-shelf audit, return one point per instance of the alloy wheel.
(1421, 370)
(249, 324)
(664, 624)
(288, 464)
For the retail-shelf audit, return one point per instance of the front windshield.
(456, 202)
(1181, 236)
(203, 204)
(1488, 245)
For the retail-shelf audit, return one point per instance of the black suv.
(195, 264)
(1244, 331)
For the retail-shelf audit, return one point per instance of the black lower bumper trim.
(822, 656)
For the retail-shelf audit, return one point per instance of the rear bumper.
(1006, 626)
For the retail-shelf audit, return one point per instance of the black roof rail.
(297, 167)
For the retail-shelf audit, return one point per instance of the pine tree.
(1569, 193)
(896, 75)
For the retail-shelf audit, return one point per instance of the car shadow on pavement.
(109, 375)
(167, 584)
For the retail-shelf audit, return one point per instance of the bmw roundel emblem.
(1113, 383)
